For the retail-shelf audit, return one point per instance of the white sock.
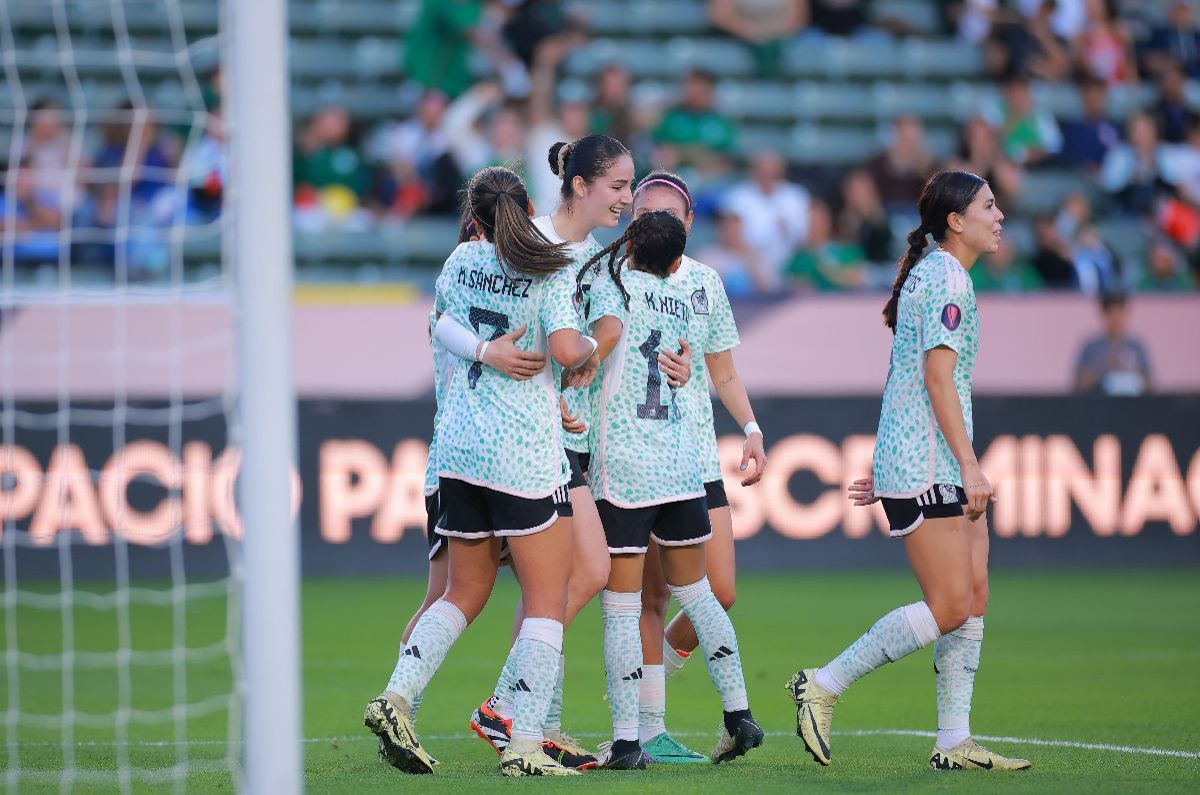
(718, 641)
(539, 648)
(672, 659)
(622, 659)
(652, 704)
(955, 660)
(436, 631)
(896, 635)
(502, 696)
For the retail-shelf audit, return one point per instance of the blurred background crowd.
(805, 127)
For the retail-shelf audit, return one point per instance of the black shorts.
(671, 524)
(579, 466)
(471, 511)
(941, 501)
(432, 513)
(714, 494)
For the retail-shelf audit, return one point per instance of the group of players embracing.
(574, 441)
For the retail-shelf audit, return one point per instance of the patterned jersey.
(712, 330)
(492, 430)
(937, 307)
(443, 369)
(643, 452)
(577, 403)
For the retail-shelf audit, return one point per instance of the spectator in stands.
(1183, 164)
(1133, 172)
(1171, 110)
(131, 135)
(1097, 269)
(1105, 47)
(207, 171)
(612, 111)
(48, 153)
(863, 218)
(774, 212)
(1052, 257)
(36, 220)
(1086, 140)
(740, 265)
(1067, 18)
(766, 26)
(1003, 272)
(693, 134)
(1029, 47)
(532, 22)
(437, 49)
(420, 173)
(482, 129)
(1165, 271)
(971, 19)
(550, 122)
(1113, 363)
(1177, 41)
(839, 17)
(826, 263)
(1029, 136)
(979, 152)
(330, 176)
(900, 171)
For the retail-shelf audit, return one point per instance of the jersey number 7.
(485, 317)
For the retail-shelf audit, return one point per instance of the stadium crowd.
(776, 226)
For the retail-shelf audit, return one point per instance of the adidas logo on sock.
(721, 653)
(521, 687)
(412, 651)
(633, 676)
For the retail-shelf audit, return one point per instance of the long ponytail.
(499, 202)
(916, 247)
(946, 192)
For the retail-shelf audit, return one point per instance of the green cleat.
(666, 750)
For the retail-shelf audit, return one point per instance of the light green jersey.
(643, 450)
(492, 430)
(937, 308)
(712, 330)
(576, 400)
(443, 369)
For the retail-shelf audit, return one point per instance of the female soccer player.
(927, 476)
(501, 473)
(597, 176)
(715, 332)
(646, 477)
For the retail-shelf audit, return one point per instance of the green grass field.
(1090, 658)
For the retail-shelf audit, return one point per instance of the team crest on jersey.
(951, 316)
(700, 302)
(949, 494)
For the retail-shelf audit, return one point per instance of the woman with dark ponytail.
(502, 473)
(927, 476)
(648, 480)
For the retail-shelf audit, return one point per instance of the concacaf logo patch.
(700, 302)
(951, 316)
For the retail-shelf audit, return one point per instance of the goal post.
(260, 149)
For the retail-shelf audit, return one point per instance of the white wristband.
(483, 350)
(751, 427)
(591, 341)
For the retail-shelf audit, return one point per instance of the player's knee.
(951, 612)
(593, 575)
(726, 595)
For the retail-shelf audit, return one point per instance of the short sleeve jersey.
(494, 431)
(577, 402)
(643, 449)
(936, 308)
(712, 330)
(443, 369)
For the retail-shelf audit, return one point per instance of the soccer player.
(501, 473)
(715, 332)
(647, 480)
(925, 471)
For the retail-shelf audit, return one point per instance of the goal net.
(122, 542)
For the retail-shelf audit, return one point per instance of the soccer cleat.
(747, 735)
(666, 750)
(567, 751)
(622, 755)
(814, 713)
(970, 755)
(490, 726)
(398, 744)
(532, 763)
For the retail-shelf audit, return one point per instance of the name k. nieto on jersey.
(495, 283)
(666, 305)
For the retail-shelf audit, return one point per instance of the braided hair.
(653, 242)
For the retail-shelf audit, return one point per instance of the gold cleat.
(531, 763)
(814, 713)
(386, 716)
(970, 755)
